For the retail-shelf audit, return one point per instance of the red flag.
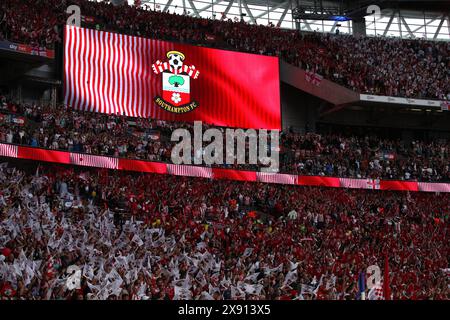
(252, 214)
(386, 287)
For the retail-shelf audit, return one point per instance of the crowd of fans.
(365, 157)
(160, 237)
(165, 237)
(31, 22)
(306, 154)
(382, 66)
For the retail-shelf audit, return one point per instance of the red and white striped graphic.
(434, 187)
(94, 161)
(8, 150)
(191, 71)
(159, 67)
(353, 183)
(276, 178)
(104, 72)
(189, 171)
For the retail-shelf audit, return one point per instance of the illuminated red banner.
(13, 151)
(113, 73)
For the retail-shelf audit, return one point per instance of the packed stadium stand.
(361, 183)
(393, 67)
(192, 238)
(332, 154)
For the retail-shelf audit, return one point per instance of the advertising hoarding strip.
(276, 178)
(63, 157)
(142, 166)
(400, 100)
(434, 187)
(8, 150)
(399, 185)
(27, 49)
(353, 183)
(38, 154)
(318, 181)
(230, 174)
(88, 160)
(189, 171)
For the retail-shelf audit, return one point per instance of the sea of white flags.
(112, 258)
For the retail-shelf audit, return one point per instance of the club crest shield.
(176, 83)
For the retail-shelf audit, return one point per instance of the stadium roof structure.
(441, 5)
(399, 18)
(355, 5)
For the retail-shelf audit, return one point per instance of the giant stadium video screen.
(118, 74)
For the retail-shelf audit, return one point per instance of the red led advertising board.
(138, 77)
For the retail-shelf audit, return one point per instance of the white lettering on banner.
(398, 100)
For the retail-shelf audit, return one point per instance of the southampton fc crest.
(176, 83)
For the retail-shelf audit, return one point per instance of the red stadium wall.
(13, 151)
(117, 74)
